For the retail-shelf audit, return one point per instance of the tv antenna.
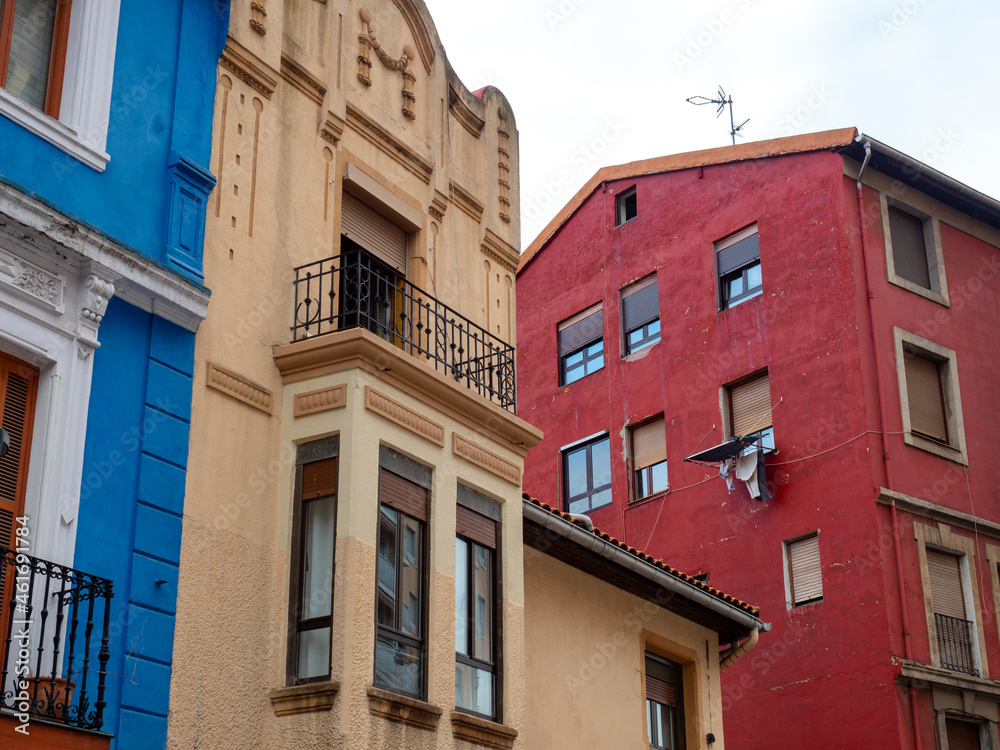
(722, 102)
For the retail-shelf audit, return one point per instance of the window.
(962, 735)
(33, 36)
(954, 628)
(803, 572)
(314, 538)
(737, 261)
(581, 345)
(649, 457)
(931, 406)
(400, 652)
(641, 315)
(626, 207)
(477, 605)
(664, 703)
(750, 410)
(914, 257)
(587, 475)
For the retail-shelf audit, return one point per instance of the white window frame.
(932, 243)
(82, 128)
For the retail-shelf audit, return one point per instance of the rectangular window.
(804, 572)
(33, 36)
(477, 605)
(626, 207)
(641, 315)
(664, 703)
(649, 457)
(400, 648)
(750, 410)
(962, 735)
(587, 475)
(581, 345)
(737, 261)
(951, 619)
(914, 258)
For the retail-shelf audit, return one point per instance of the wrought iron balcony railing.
(954, 637)
(54, 662)
(355, 290)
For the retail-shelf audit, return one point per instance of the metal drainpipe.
(734, 653)
(885, 443)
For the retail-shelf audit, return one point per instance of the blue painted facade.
(151, 201)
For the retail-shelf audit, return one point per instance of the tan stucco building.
(353, 562)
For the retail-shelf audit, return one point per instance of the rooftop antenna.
(722, 102)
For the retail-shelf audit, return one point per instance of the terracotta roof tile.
(749, 608)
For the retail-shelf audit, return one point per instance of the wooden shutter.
(909, 252)
(924, 397)
(402, 494)
(649, 444)
(750, 403)
(739, 254)
(18, 390)
(581, 330)
(640, 304)
(962, 735)
(806, 573)
(319, 479)
(476, 527)
(945, 574)
(663, 681)
(375, 233)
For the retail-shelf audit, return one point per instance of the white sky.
(919, 75)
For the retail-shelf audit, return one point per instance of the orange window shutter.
(751, 405)
(923, 393)
(649, 444)
(18, 391)
(962, 735)
(945, 574)
(806, 570)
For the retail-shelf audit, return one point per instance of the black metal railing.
(355, 290)
(954, 637)
(54, 663)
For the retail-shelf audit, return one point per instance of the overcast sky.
(599, 82)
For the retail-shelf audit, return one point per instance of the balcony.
(355, 290)
(954, 637)
(55, 629)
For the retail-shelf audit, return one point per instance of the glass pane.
(461, 596)
(601, 498)
(574, 359)
(649, 722)
(573, 375)
(30, 50)
(753, 276)
(576, 472)
(474, 689)
(594, 349)
(317, 557)
(398, 667)
(596, 363)
(654, 328)
(387, 567)
(634, 337)
(482, 583)
(658, 474)
(313, 653)
(601, 457)
(410, 576)
(735, 287)
(580, 506)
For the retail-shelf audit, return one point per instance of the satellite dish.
(4, 442)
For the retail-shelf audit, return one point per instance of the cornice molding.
(466, 201)
(238, 387)
(937, 512)
(302, 79)
(332, 128)
(249, 68)
(495, 248)
(377, 136)
(463, 113)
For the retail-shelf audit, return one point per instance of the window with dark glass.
(641, 315)
(581, 344)
(314, 539)
(738, 267)
(664, 703)
(33, 35)
(750, 410)
(400, 650)
(477, 598)
(587, 475)
(626, 206)
(649, 457)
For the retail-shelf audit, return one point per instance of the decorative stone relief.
(367, 41)
(98, 293)
(405, 417)
(462, 446)
(239, 388)
(324, 399)
(31, 280)
(504, 176)
(258, 14)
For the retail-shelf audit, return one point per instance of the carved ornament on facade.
(367, 41)
(38, 283)
(99, 291)
(257, 15)
(504, 165)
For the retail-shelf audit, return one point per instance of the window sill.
(402, 709)
(301, 699)
(649, 498)
(51, 130)
(482, 732)
(938, 449)
(941, 299)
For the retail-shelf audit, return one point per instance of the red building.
(762, 290)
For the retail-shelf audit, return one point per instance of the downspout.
(730, 655)
(883, 421)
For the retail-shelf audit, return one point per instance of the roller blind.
(319, 479)
(923, 393)
(909, 252)
(962, 735)
(373, 232)
(640, 304)
(402, 494)
(739, 254)
(751, 405)
(806, 573)
(580, 330)
(649, 443)
(946, 584)
(476, 527)
(663, 680)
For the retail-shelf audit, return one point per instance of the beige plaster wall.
(586, 642)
